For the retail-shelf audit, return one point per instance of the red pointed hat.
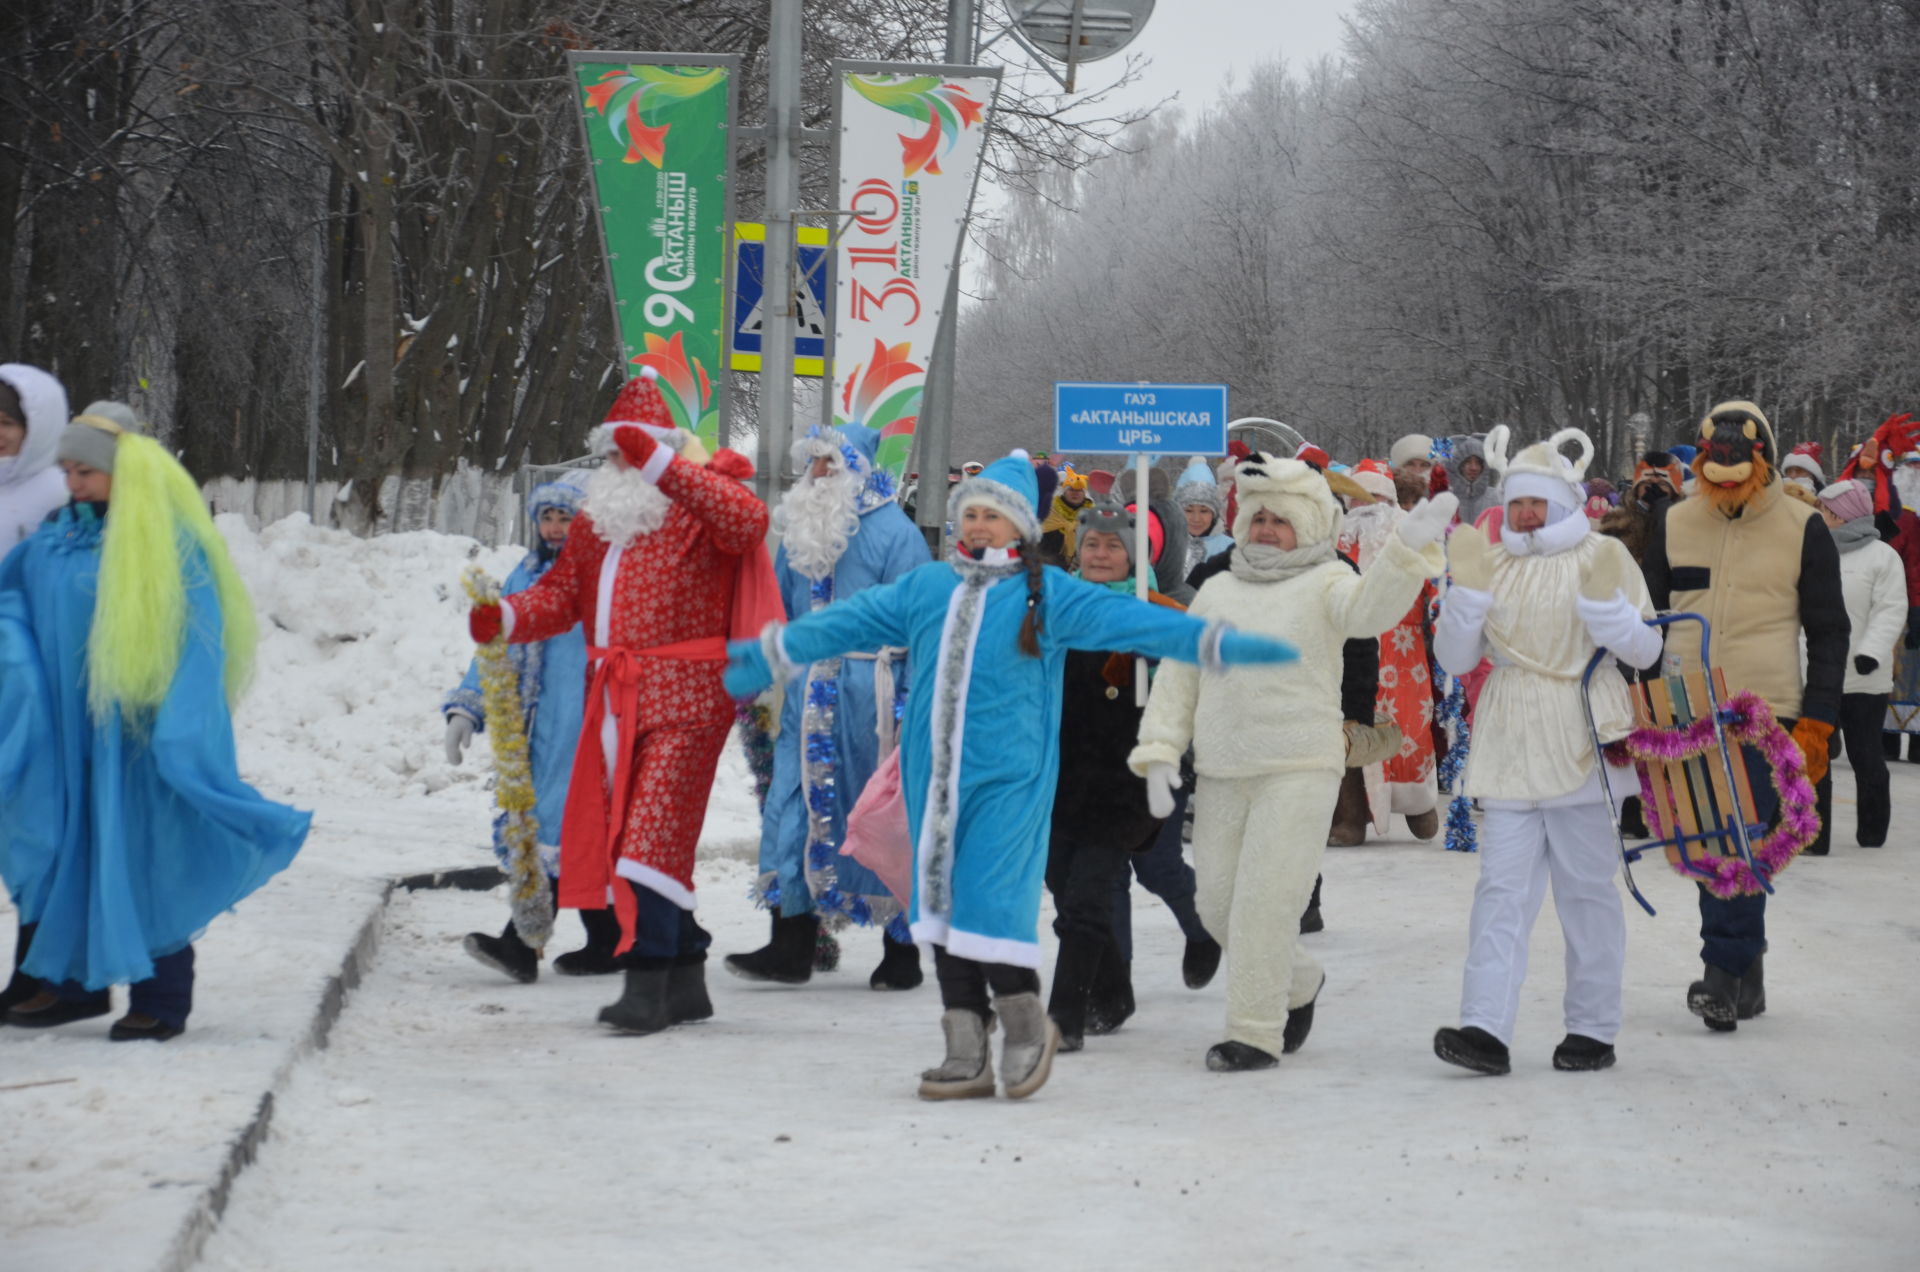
(640, 403)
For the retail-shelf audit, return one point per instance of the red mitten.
(484, 624)
(636, 445)
(1811, 737)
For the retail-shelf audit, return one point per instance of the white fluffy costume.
(1540, 604)
(31, 484)
(1268, 745)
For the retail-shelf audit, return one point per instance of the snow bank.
(361, 639)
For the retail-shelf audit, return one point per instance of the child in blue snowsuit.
(553, 686)
(987, 634)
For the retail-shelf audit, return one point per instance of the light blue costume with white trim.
(122, 844)
(830, 734)
(553, 687)
(980, 817)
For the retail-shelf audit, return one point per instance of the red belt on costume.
(596, 813)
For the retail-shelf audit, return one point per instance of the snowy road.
(458, 1121)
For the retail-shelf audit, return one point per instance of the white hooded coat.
(31, 485)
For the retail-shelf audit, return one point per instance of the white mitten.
(1470, 559)
(1427, 521)
(1615, 626)
(1162, 781)
(459, 733)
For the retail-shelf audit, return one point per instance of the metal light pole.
(776, 342)
(935, 429)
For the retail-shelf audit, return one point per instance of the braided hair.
(1030, 626)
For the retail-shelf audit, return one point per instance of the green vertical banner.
(658, 129)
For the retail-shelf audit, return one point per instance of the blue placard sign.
(1128, 419)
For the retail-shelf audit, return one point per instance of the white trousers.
(1257, 844)
(1570, 841)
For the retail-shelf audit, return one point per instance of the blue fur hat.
(1009, 487)
(563, 493)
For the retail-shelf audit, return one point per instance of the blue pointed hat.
(1009, 487)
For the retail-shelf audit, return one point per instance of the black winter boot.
(1579, 1053)
(22, 986)
(1715, 998)
(47, 1008)
(596, 957)
(1073, 977)
(133, 1027)
(1200, 962)
(505, 953)
(1751, 1001)
(1110, 1002)
(687, 992)
(1239, 1057)
(642, 1008)
(899, 966)
(787, 957)
(1300, 1022)
(1311, 922)
(1472, 1048)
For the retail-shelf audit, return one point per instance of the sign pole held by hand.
(1141, 420)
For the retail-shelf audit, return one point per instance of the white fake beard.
(817, 518)
(1906, 480)
(623, 505)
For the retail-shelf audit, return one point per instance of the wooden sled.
(1704, 804)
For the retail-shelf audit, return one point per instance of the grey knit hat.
(1108, 517)
(95, 433)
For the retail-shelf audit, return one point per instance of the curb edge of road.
(190, 1238)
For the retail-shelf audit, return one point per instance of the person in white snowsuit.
(1874, 582)
(33, 411)
(1269, 748)
(1540, 591)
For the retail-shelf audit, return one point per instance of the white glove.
(1162, 781)
(1615, 626)
(1427, 521)
(459, 733)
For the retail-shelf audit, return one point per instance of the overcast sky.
(1195, 44)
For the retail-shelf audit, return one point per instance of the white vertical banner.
(908, 141)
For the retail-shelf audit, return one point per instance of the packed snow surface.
(457, 1120)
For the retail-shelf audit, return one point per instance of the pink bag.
(877, 835)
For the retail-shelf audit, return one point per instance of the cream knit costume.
(1533, 765)
(1268, 744)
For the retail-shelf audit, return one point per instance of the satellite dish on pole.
(1076, 31)
(1263, 434)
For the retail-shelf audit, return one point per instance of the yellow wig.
(139, 628)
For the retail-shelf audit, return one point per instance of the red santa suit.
(657, 610)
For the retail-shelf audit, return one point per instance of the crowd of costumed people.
(936, 744)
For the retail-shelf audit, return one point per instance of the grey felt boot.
(967, 1072)
(1026, 1057)
(642, 1008)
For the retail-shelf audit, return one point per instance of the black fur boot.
(899, 966)
(1239, 1057)
(1311, 922)
(687, 992)
(1579, 1053)
(787, 957)
(596, 957)
(1751, 1001)
(642, 1007)
(505, 953)
(1300, 1023)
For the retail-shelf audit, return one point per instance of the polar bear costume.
(1268, 744)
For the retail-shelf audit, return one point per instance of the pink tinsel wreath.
(1752, 725)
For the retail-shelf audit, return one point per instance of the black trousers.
(1084, 867)
(964, 981)
(1862, 717)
